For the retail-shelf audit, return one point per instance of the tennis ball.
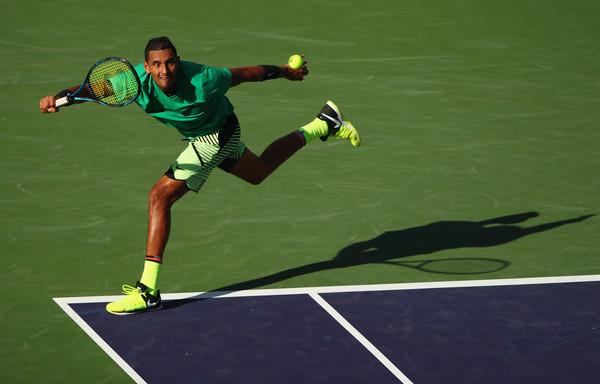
(295, 61)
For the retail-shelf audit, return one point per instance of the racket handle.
(64, 101)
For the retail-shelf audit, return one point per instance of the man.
(191, 98)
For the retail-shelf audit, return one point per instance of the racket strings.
(113, 82)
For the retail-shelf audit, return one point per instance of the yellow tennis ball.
(295, 62)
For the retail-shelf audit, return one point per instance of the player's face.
(163, 66)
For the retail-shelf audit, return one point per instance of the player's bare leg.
(162, 197)
(255, 169)
(329, 123)
(145, 296)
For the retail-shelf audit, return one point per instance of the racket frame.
(70, 98)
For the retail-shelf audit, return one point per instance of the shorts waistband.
(211, 138)
(231, 122)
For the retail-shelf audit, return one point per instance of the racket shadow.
(424, 240)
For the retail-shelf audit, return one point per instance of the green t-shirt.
(198, 108)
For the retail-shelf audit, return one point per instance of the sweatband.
(271, 72)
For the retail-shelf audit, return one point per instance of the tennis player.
(191, 98)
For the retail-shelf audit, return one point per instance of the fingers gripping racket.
(112, 82)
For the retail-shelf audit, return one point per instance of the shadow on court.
(424, 240)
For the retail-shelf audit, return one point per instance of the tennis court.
(493, 331)
(479, 166)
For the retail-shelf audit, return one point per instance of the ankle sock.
(151, 272)
(312, 130)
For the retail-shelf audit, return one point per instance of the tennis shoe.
(338, 127)
(137, 300)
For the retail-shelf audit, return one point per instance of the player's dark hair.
(159, 44)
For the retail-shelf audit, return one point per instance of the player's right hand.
(47, 104)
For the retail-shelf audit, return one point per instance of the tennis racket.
(112, 82)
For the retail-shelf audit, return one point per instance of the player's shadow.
(390, 246)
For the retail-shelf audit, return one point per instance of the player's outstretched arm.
(266, 72)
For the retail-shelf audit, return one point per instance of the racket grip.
(64, 101)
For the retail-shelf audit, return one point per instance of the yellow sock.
(150, 276)
(314, 129)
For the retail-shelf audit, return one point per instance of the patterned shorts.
(220, 149)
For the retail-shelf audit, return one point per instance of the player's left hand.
(294, 74)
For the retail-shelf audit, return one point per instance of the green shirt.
(198, 108)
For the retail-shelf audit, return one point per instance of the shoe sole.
(136, 312)
(345, 123)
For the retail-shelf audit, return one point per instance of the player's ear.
(146, 67)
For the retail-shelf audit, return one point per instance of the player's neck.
(170, 91)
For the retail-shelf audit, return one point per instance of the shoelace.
(129, 290)
(134, 298)
(345, 132)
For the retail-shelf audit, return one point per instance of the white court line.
(361, 339)
(315, 293)
(100, 341)
(347, 288)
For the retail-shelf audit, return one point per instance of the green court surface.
(469, 111)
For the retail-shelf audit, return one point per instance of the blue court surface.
(532, 330)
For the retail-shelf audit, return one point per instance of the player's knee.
(256, 180)
(258, 177)
(156, 197)
(163, 196)
(255, 177)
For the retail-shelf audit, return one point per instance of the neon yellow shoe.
(338, 127)
(137, 300)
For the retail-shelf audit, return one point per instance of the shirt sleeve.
(218, 80)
